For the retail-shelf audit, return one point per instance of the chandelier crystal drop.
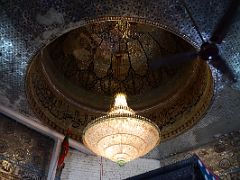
(121, 135)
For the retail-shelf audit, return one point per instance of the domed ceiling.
(27, 26)
(73, 79)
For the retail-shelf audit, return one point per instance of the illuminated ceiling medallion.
(121, 135)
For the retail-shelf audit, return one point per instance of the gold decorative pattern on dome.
(174, 97)
(102, 59)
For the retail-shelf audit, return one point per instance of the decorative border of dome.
(185, 115)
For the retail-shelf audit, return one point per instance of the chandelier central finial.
(120, 100)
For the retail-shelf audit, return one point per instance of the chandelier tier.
(121, 135)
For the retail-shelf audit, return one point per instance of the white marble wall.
(87, 167)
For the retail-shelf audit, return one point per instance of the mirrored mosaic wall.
(221, 156)
(24, 153)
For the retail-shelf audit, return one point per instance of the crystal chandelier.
(121, 135)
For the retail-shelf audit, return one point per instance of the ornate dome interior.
(81, 71)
